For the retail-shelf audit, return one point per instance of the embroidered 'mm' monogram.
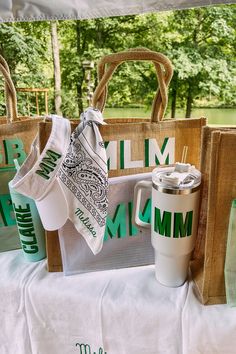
(48, 164)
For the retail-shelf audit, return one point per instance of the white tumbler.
(175, 194)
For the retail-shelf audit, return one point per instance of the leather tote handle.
(10, 91)
(164, 71)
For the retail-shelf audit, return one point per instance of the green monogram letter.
(183, 228)
(117, 225)
(162, 226)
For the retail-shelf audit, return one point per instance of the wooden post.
(46, 101)
(28, 104)
(36, 91)
(37, 103)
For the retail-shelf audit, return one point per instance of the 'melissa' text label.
(85, 221)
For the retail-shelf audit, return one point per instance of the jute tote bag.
(136, 145)
(218, 166)
(16, 135)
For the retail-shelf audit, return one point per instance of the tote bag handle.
(109, 63)
(10, 92)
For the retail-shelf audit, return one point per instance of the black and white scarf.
(84, 178)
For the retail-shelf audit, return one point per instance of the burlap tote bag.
(136, 145)
(218, 167)
(16, 135)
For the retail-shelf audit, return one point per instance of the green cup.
(30, 228)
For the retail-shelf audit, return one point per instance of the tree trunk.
(189, 101)
(57, 70)
(80, 77)
(174, 96)
(79, 97)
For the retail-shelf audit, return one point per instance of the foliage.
(200, 42)
(25, 48)
(201, 46)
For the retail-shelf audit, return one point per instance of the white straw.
(16, 163)
(184, 154)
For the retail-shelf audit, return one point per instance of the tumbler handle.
(137, 200)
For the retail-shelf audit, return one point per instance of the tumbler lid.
(180, 176)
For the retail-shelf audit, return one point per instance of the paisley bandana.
(84, 178)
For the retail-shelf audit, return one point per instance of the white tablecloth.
(118, 312)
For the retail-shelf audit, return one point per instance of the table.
(123, 311)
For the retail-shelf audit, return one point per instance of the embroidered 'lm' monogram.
(48, 164)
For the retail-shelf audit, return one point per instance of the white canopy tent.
(36, 10)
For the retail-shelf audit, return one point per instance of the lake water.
(222, 116)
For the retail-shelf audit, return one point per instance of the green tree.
(25, 47)
(82, 41)
(89, 40)
(199, 42)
